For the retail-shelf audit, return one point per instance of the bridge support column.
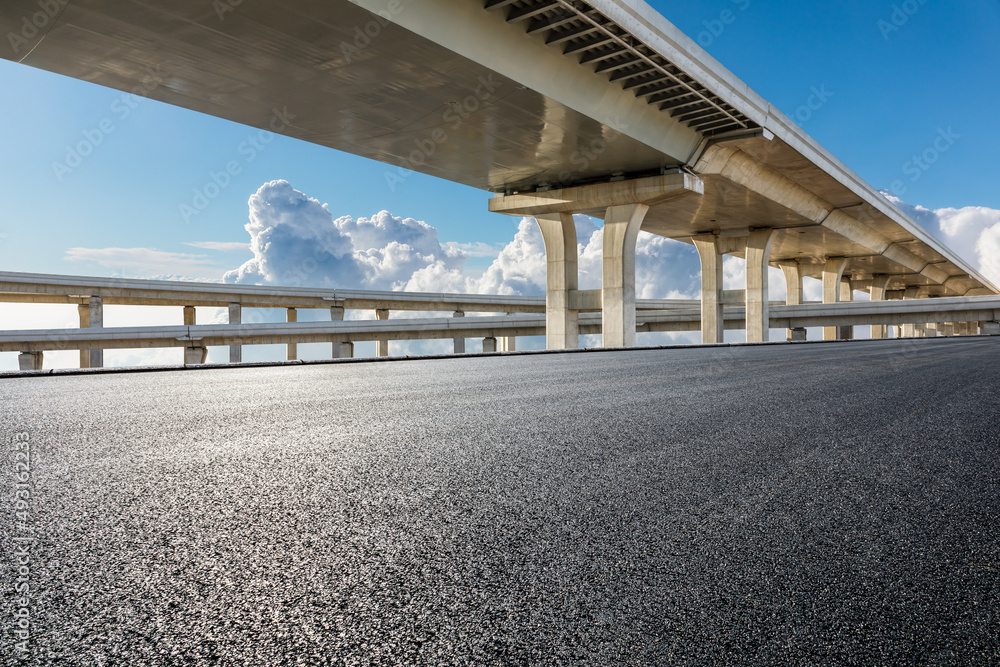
(84, 313)
(489, 345)
(343, 350)
(562, 325)
(846, 296)
(337, 315)
(758, 256)
(382, 346)
(235, 317)
(908, 330)
(793, 295)
(625, 203)
(508, 343)
(833, 272)
(621, 229)
(990, 328)
(30, 361)
(194, 356)
(880, 285)
(96, 315)
(459, 342)
(291, 349)
(190, 316)
(712, 323)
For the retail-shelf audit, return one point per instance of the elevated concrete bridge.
(556, 106)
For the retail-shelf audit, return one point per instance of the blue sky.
(892, 92)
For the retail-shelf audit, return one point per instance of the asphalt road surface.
(802, 504)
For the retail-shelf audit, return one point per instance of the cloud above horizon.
(296, 241)
(973, 232)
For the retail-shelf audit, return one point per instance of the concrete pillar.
(382, 346)
(96, 307)
(990, 328)
(712, 323)
(84, 312)
(562, 325)
(758, 256)
(194, 356)
(30, 361)
(343, 350)
(792, 272)
(337, 315)
(949, 328)
(235, 317)
(508, 343)
(793, 283)
(880, 285)
(291, 349)
(793, 295)
(459, 342)
(909, 330)
(489, 345)
(846, 296)
(621, 229)
(833, 271)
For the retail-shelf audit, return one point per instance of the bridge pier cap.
(623, 206)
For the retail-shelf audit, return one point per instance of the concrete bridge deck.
(832, 503)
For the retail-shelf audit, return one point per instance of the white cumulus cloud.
(973, 232)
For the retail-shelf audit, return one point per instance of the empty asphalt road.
(801, 504)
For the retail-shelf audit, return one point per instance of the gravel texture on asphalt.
(800, 504)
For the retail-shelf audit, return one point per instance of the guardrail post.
(382, 346)
(235, 317)
(96, 307)
(291, 349)
(30, 361)
(459, 342)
